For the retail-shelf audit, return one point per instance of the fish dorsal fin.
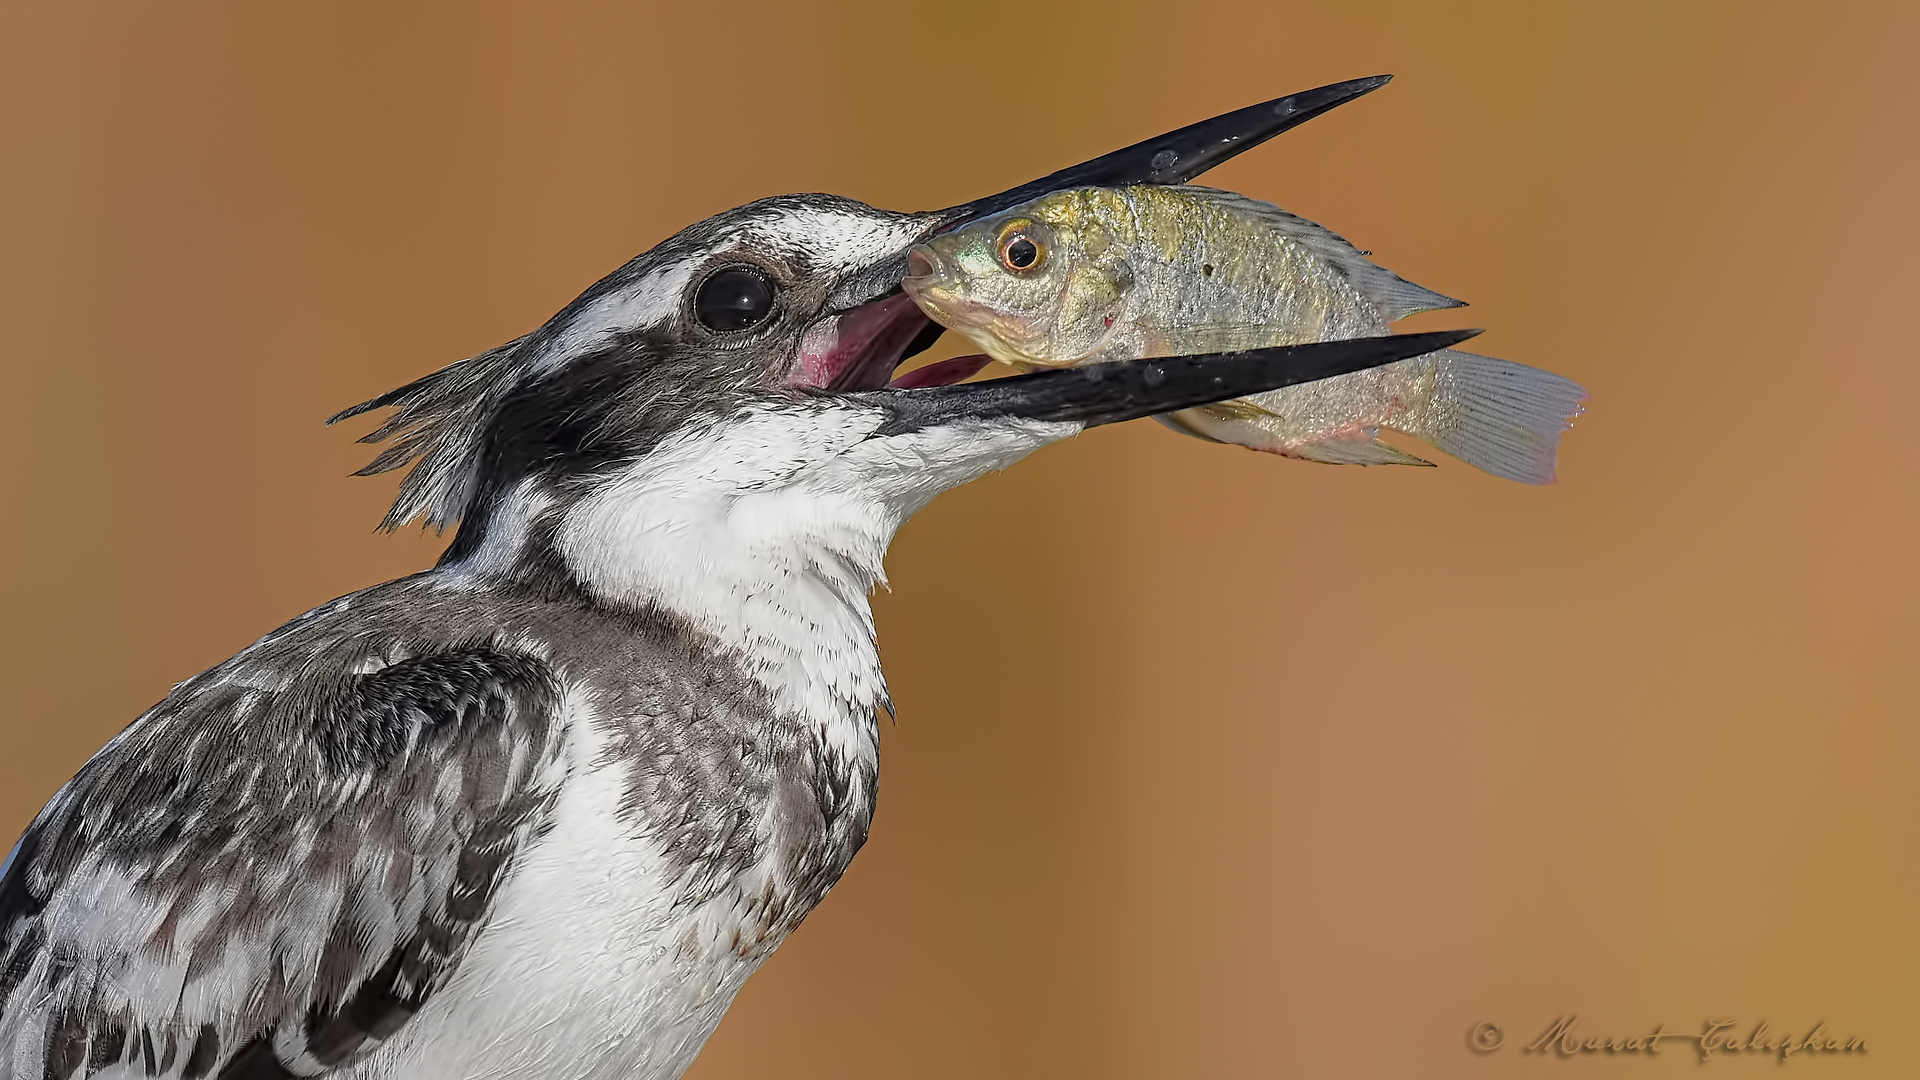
(1395, 296)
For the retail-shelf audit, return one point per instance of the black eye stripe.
(734, 298)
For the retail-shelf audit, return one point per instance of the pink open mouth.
(859, 349)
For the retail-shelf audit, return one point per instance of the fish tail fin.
(1502, 417)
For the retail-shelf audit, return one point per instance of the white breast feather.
(769, 531)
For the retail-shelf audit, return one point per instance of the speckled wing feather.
(271, 871)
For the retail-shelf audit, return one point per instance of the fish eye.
(1021, 251)
(733, 298)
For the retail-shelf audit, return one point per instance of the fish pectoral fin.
(1358, 448)
(1238, 422)
(1185, 424)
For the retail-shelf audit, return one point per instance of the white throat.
(769, 530)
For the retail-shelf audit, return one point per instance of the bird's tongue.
(859, 349)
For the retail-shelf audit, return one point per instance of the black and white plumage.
(542, 809)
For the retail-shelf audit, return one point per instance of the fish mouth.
(931, 284)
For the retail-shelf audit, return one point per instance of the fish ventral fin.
(1363, 448)
(1395, 296)
(1502, 417)
(1242, 423)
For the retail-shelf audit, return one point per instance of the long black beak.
(1177, 156)
(1128, 390)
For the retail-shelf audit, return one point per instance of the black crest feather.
(437, 429)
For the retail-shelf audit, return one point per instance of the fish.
(1093, 275)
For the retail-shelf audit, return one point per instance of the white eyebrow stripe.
(646, 301)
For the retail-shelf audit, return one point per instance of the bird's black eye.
(736, 298)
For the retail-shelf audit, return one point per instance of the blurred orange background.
(1207, 763)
